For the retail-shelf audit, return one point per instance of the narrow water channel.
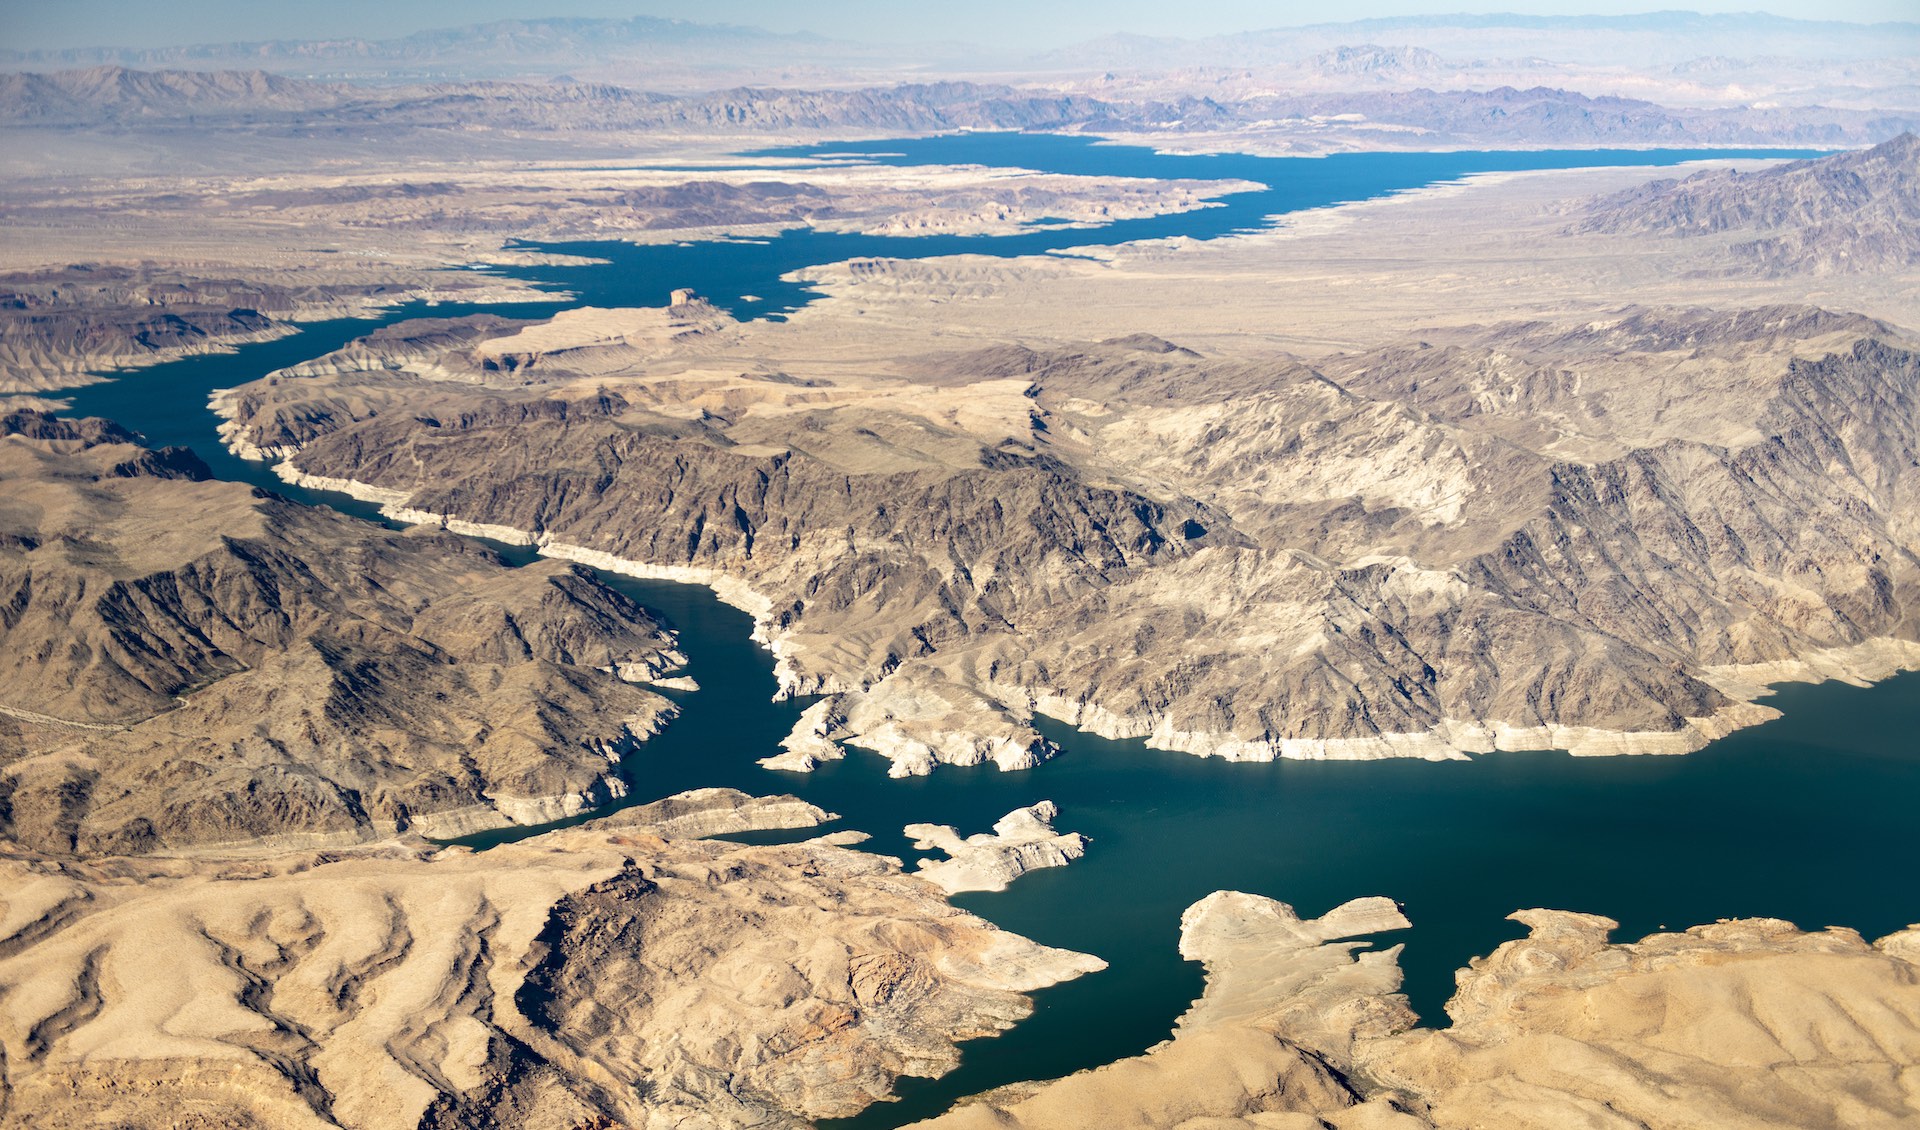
(1808, 818)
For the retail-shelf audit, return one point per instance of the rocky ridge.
(194, 663)
(1584, 535)
(165, 102)
(1851, 213)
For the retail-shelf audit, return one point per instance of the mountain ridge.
(169, 101)
(1852, 213)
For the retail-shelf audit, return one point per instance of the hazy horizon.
(996, 23)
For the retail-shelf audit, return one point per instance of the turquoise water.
(1806, 818)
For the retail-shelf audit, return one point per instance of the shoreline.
(1869, 661)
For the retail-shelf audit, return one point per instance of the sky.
(29, 24)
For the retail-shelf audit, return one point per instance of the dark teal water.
(168, 403)
(1806, 818)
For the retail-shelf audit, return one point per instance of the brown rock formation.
(196, 662)
(1855, 213)
(1593, 535)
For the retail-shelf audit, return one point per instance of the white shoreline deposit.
(1021, 841)
(1450, 739)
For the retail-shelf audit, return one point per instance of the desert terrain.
(1582, 459)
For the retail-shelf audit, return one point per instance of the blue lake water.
(1807, 818)
(725, 272)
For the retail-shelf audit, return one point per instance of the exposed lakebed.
(1807, 818)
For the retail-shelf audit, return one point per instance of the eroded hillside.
(193, 662)
(1590, 534)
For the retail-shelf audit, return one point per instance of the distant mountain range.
(120, 98)
(1656, 38)
(665, 53)
(644, 48)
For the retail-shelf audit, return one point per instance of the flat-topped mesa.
(588, 340)
(487, 349)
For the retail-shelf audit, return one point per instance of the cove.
(1807, 818)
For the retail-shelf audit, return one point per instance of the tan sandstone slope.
(624, 974)
(1746, 1025)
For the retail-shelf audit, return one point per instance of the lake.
(1807, 818)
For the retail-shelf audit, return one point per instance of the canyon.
(309, 819)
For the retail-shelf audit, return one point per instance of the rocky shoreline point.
(1749, 1024)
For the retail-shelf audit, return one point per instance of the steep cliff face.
(202, 663)
(626, 974)
(1565, 534)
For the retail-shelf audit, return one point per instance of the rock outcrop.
(1748, 1024)
(197, 663)
(621, 975)
(60, 326)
